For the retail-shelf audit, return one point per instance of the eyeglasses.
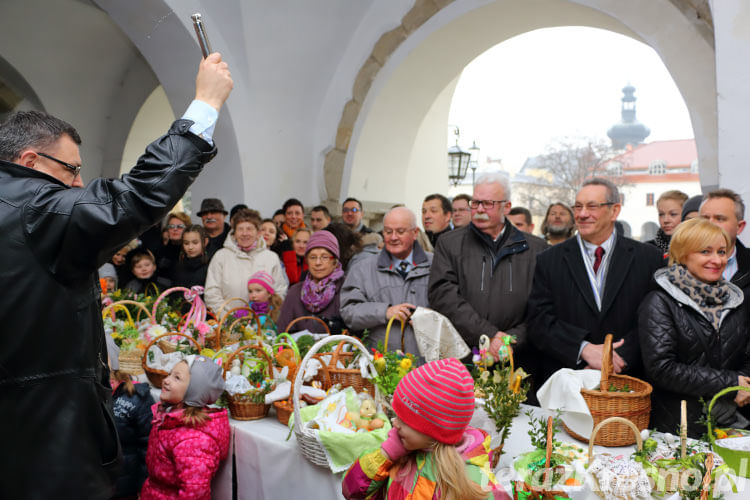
(323, 259)
(176, 226)
(591, 207)
(73, 168)
(350, 210)
(487, 204)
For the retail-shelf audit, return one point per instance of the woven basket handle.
(713, 401)
(122, 303)
(683, 428)
(257, 348)
(706, 485)
(313, 318)
(245, 304)
(638, 440)
(388, 332)
(224, 318)
(156, 339)
(548, 454)
(289, 342)
(113, 308)
(606, 363)
(301, 371)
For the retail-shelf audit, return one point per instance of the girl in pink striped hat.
(431, 452)
(263, 298)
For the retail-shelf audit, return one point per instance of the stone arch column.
(438, 39)
(164, 37)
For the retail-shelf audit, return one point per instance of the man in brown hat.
(212, 213)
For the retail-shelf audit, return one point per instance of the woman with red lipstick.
(693, 332)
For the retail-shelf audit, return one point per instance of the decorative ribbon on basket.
(197, 314)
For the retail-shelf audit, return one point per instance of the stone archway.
(402, 93)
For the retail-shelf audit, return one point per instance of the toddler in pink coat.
(188, 440)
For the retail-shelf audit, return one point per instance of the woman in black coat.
(693, 332)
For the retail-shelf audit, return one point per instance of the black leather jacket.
(56, 427)
(686, 358)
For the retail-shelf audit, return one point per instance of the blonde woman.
(693, 331)
(669, 205)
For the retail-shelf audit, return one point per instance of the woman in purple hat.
(317, 294)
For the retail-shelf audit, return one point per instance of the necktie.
(403, 267)
(598, 254)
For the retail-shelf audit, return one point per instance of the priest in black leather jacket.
(56, 428)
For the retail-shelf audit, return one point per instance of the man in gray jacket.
(390, 284)
(482, 273)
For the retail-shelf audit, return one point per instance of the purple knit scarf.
(260, 308)
(317, 296)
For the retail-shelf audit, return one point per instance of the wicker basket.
(545, 490)
(671, 477)
(308, 443)
(155, 376)
(284, 410)
(611, 422)
(735, 459)
(130, 361)
(228, 322)
(165, 344)
(246, 410)
(634, 406)
(320, 377)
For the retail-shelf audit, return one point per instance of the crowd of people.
(674, 304)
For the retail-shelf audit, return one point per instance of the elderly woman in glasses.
(693, 332)
(318, 294)
(168, 254)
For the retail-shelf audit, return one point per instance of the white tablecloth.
(269, 467)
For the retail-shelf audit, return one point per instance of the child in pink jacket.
(188, 441)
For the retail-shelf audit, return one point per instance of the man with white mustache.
(213, 215)
(481, 274)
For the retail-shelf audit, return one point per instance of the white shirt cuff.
(204, 118)
(580, 350)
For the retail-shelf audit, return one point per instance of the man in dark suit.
(589, 286)
(726, 209)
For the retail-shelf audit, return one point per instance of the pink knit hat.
(436, 399)
(263, 279)
(323, 239)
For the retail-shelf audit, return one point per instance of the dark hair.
(613, 195)
(137, 255)
(246, 215)
(445, 202)
(739, 205)
(32, 129)
(291, 202)
(236, 209)
(350, 243)
(195, 228)
(278, 212)
(522, 211)
(355, 200)
(462, 196)
(321, 208)
(275, 238)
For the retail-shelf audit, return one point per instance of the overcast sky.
(522, 94)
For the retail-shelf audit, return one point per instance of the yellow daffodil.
(405, 364)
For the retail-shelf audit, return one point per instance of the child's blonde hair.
(450, 473)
